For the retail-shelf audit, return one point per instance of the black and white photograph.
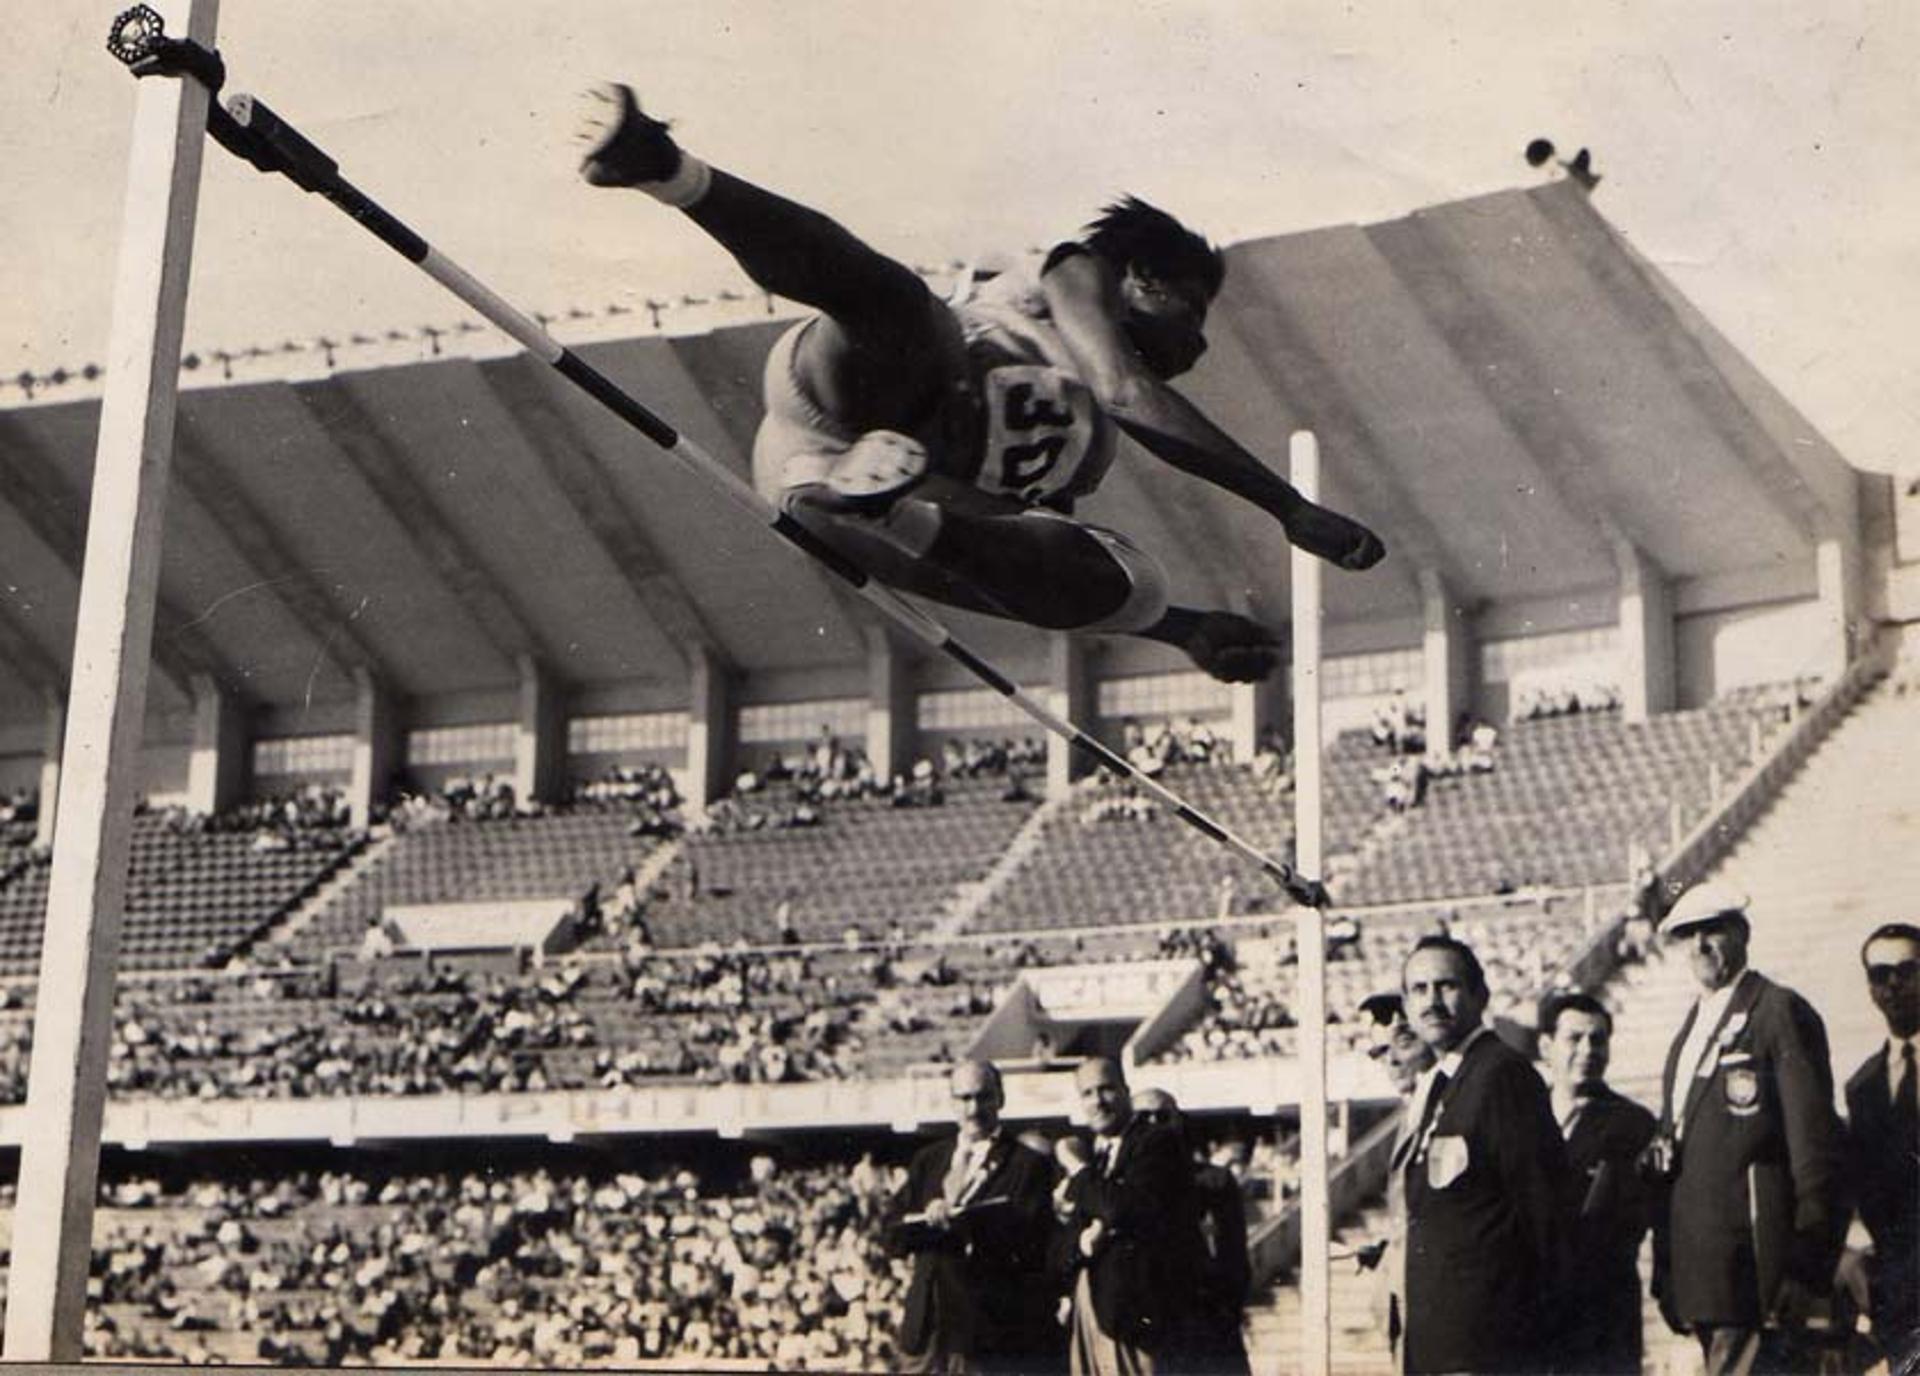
(1153, 688)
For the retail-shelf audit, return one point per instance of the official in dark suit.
(1485, 1177)
(1883, 1144)
(1212, 1340)
(1750, 1147)
(975, 1215)
(1129, 1239)
(1606, 1134)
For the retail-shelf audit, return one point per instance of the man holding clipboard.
(975, 1215)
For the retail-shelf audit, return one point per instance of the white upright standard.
(106, 705)
(1316, 1300)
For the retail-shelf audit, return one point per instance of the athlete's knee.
(1138, 585)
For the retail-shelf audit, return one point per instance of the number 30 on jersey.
(1040, 431)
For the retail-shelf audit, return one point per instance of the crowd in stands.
(1117, 800)
(1169, 741)
(313, 815)
(1273, 765)
(486, 799)
(1151, 750)
(1400, 728)
(968, 757)
(533, 1267)
(562, 1264)
(647, 791)
(796, 789)
(1533, 701)
(19, 817)
(752, 1018)
(434, 1031)
(1250, 1014)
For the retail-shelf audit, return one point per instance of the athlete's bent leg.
(1027, 565)
(1033, 566)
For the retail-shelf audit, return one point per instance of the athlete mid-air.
(941, 445)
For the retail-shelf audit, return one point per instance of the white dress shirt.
(1707, 1013)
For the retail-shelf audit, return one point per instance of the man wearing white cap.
(1750, 1147)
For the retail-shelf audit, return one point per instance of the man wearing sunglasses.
(1883, 1143)
(1396, 1048)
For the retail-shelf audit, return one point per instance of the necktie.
(1410, 1143)
(1431, 1111)
(1906, 1098)
(955, 1185)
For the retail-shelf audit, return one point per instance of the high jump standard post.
(106, 709)
(1310, 989)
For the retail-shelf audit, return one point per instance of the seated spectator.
(378, 941)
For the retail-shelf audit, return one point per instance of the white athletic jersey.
(1044, 438)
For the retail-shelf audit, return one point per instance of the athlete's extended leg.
(876, 361)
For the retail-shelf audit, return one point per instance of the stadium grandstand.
(554, 907)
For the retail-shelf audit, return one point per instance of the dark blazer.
(1752, 1195)
(1485, 1192)
(980, 1288)
(1611, 1212)
(1223, 1277)
(1884, 1174)
(1142, 1276)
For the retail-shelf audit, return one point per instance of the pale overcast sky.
(1762, 154)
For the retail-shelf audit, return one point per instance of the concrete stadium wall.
(19, 771)
(1722, 650)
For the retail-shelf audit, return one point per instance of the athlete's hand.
(1232, 648)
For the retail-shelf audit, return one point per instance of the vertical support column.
(1837, 569)
(218, 767)
(539, 735)
(377, 737)
(1446, 658)
(1070, 685)
(1252, 708)
(100, 762)
(1647, 673)
(50, 772)
(1316, 1289)
(710, 722)
(892, 731)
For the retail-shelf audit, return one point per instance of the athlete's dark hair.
(1131, 233)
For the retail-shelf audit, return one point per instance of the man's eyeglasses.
(1156, 1115)
(1887, 974)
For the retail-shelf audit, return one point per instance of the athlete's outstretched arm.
(1083, 296)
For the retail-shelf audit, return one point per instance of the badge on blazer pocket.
(1446, 1161)
(1743, 1091)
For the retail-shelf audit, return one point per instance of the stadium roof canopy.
(1500, 386)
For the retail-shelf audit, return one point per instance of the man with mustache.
(1484, 1171)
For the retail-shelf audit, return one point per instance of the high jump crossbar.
(246, 128)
